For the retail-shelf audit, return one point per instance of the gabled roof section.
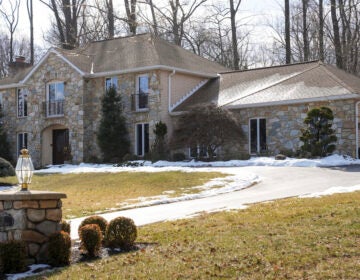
(133, 53)
(288, 84)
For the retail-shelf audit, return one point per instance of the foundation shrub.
(59, 248)
(97, 220)
(121, 233)
(178, 157)
(12, 256)
(91, 238)
(6, 169)
(65, 226)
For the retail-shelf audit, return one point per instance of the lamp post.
(24, 169)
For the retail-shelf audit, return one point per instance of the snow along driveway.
(276, 183)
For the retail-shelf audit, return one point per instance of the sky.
(254, 11)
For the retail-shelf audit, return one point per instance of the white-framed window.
(257, 135)
(111, 82)
(142, 92)
(22, 101)
(55, 98)
(22, 141)
(141, 139)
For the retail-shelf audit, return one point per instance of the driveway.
(276, 183)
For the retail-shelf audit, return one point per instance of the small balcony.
(140, 102)
(54, 108)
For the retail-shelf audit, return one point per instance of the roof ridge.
(271, 67)
(274, 84)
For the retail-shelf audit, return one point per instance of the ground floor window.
(22, 141)
(257, 136)
(142, 139)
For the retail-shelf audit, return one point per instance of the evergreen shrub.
(97, 220)
(59, 248)
(121, 233)
(13, 256)
(6, 169)
(65, 226)
(91, 238)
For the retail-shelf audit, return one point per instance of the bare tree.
(29, 5)
(233, 11)
(11, 18)
(287, 32)
(131, 15)
(337, 42)
(305, 4)
(321, 30)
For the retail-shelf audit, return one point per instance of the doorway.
(60, 144)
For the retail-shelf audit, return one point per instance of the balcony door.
(55, 99)
(60, 143)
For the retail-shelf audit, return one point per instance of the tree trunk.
(305, 30)
(337, 42)
(131, 15)
(233, 11)
(287, 32)
(111, 19)
(321, 31)
(155, 26)
(31, 17)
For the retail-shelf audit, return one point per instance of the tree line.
(326, 30)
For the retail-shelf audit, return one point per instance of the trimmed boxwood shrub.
(97, 220)
(91, 238)
(59, 248)
(13, 256)
(121, 232)
(6, 169)
(65, 226)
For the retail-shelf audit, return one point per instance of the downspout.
(169, 89)
(357, 128)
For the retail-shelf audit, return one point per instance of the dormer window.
(55, 98)
(22, 99)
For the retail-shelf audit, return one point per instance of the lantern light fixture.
(24, 169)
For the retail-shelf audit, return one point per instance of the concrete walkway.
(276, 183)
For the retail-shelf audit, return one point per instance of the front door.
(257, 136)
(60, 143)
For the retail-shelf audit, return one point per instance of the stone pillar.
(31, 216)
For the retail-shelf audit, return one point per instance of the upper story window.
(22, 99)
(111, 82)
(142, 92)
(1, 104)
(55, 97)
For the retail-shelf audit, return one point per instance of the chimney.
(17, 65)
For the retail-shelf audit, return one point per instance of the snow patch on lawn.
(333, 190)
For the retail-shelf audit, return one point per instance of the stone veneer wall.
(36, 215)
(54, 70)
(283, 124)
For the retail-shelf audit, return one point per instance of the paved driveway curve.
(276, 183)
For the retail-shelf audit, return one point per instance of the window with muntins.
(142, 139)
(22, 101)
(111, 82)
(22, 141)
(142, 92)
(55, 99)
(258, 136)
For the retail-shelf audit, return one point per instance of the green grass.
(91, 192)
(289, 239)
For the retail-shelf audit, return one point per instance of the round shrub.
(6, 169)
(97, 220)
(65, 226)
(13, 256)
(179, 157)
(59, 248)
(91, 238)
(121, 232)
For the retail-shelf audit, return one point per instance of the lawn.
(89, 193)
(312, 238)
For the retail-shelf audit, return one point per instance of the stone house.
(53, 108)
(272, 103)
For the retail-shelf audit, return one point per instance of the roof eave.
(294, 101)
(149, 68)
(12, 85)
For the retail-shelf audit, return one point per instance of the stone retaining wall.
(31, 217)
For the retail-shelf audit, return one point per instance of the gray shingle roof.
(275, 85)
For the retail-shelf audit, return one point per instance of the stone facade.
(34, 217)
(283, 125)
